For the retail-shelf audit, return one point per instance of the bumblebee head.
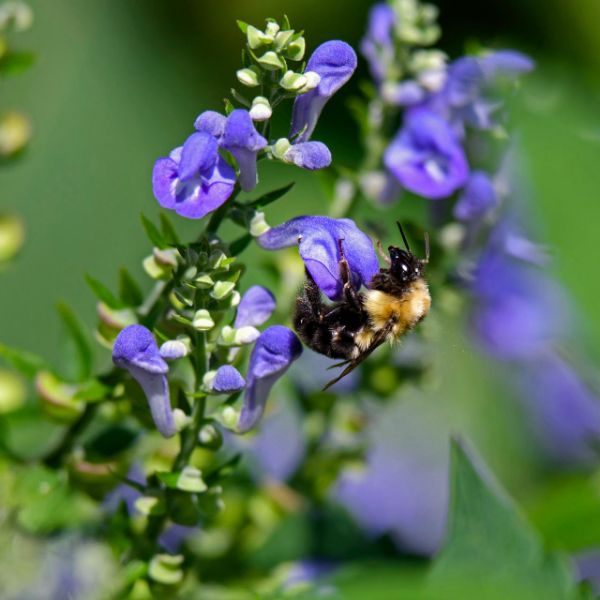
(404, 265)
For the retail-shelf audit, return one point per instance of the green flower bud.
(235, 298)
(258, 224)
(12, 236)
(270, 61)
(248, 77)
(292, 82)
(190, 480)
(15, 131)
(296, 49)
(280, 147)
(202, 320)
(58, 398)
(217, 259)
(261, 109)
(204, 281)
(257, 38)
(272, 29)
(150, 506)
(155, 270)
(210, 437)
(282, 39)
(222, 289)
(238, 337)
(165, 569)
(12, 392)
(229, 417)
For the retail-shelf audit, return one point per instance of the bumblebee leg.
(350, 294)
(313, 295)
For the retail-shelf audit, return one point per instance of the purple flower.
(255, 307)
(426, 157)
(334, 62)
(172, 538)
(228, 380)
(477, 199)
(318, 239)
(564, 410)
(406, 93)
(211, 122)
(377, 45)
(135, 350)
(194, 180)
(244, 142)
(275, 350)
(309, 155)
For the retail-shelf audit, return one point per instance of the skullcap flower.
(136, 351)
(426, 157)
(309, 155)
(227, 380)
(477, 199)
(318, 240)
(334, 62)
(377, 45)
(194, 180)
(244, 142)
(255, 307)
(275, 350)
(211, 122)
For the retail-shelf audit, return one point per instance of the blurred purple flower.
(377, 45)
(275, 350)
(136, 350)
(478, 198)
(173, 537)
(255, 307)
(228, 380)
(311, 571)
(194, 180)
(308, 155)
(405, 93)
(318, 238)
(565, 411)
(334, 62)
(587, 567)
(125, 492)
(426, 157)
(244, 142)
(311, 373)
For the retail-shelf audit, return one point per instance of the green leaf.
(238, 246)
(81, 358)
(168, 230)
(285, 23)
(25, 362)
(243, 26)
(103, 293)
(92, 391)
(237, 96)
(129, 290)
(229, 107)
(110, 442)
(14, 63)
(489, 546)
(271, 197)
(154, 235)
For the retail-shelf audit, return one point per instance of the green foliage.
(79, 357)
(103, 293)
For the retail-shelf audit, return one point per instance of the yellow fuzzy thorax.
(404, 311)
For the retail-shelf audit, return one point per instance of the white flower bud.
(235, 299)
(312, 81)
(245, 335)
(271, 29)
(202, 320)
(248, 77)
(261, 109)
(181, 419)
(230, 417)
(280, 147)
(292, 82)
(258, 224)
(208, 379)
(190, 480)
(174, 349)
(270, 61)
(256, 37)
(222, 289)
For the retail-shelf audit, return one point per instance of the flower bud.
(238, 337)
(181, 419)
(15, 131)
(272, 29)
(167, 258)
(166, 569)
(204, 281)
(270, 61)
(208, 379)
(222, 289)
(280, 147)
(174, 349)
(12, 392)
(202, 320)
(292, 82)
(190, 480)
(235, 298)
(154, 269)
(229, 417)
(248, 77)
(217, 259)
(150, 506)
(257, 38)
(12, 236)
(282, 39)
(312, 81)
(258, 224)
(261, 109)
(296, 49)
(210, 437)
(17, 14)
(57, 398)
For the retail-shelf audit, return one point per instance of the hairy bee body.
(397, 299)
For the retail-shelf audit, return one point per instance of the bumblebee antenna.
(403, 236)
(426, 236)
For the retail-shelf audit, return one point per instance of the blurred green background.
(117, 83)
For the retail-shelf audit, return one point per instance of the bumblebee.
(396, 300)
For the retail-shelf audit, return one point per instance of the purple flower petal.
(309, 155)
(381, 24)
(275, 350)
(255, 307)
(318, 239)
(507, 63)
(244, 142)
(135, 349)
(211, 122)
(477, 199)
(335, 62)
(406, 93)
(228, 380)
(198, 155)
(426, 157)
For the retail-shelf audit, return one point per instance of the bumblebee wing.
(378, 339)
